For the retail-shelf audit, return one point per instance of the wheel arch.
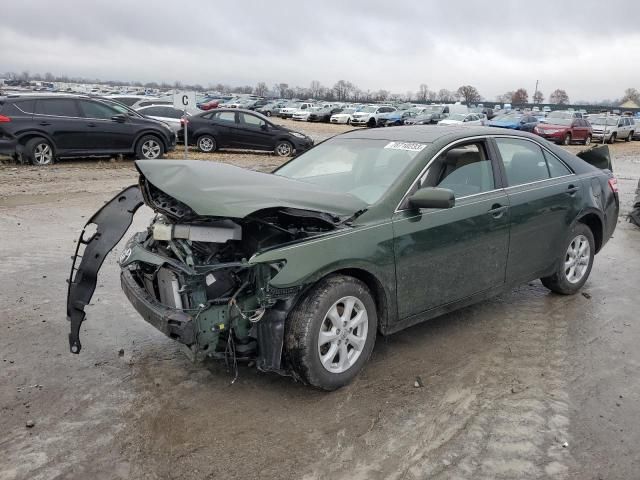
(155, 133)
(595, 223)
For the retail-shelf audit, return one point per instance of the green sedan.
(369, 232)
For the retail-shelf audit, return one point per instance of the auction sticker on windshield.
(408, 146)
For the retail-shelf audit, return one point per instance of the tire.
(206, 143)
(566, 281)
(628, 139)
(612, 138)
(309, 325)
(348, 121)
(567, 139)
(587, 141)
(283, 149)
(371, 123)
(149, 147)
(39, 151)
(267, 113)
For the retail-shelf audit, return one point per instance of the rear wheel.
(39, 151)
(587, 140)
(575, 266)
(268, 113)
(612, 138)
(331, 332)
(283, 149)
(206, 143)
(567, 139)
(149, 147)
(628, 139)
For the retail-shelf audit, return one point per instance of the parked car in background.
(463, 119)
(546, 109)
(369, 115)
(165, 113)
(242, 129)
(290, 109)
(271, 108)
(43, 129)
(612, 128)
(344, 117)
(564, 114)
(130, 100)
(399, 116)
(368, 233)
(302, 115)
(565, 130)
(324, 114)
(515, 121)
(432, 114)
(209, 104)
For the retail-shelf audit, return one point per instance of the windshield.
(459, 117)
(507, 118)
(560, 121)
(610, 121)
(348, 110)
(362, 167)
(368, 109)
(555, 115)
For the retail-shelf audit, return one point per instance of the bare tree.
(631, 94)
(282, 88)
(520, 96)
(538, 97)
(315, 89)
(343, 89)
(559, 97)
(445, 95)
(423, 92)
(261, 89)
(469, 94)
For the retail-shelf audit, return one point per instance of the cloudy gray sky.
(589, 48)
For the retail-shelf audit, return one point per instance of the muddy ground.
(527, 385)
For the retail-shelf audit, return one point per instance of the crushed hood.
(222, 190)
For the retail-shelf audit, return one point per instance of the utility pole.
(535, 93)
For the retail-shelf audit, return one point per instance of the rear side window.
(26, 106)
(556, 167)
(225, 117)
(128, 101)
(59, 107)
(157, 111)
(523, 161)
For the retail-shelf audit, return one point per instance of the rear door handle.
(572, 189)
(45, 124)
(498, 210)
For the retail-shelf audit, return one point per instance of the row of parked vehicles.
(42, 128)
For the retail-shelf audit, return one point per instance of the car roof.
(430, 133)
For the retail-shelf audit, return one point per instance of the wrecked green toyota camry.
(369, 232)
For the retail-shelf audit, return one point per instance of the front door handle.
(91, 124)
(45, 124)
(498, 210)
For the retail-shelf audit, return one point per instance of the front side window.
(251, 120)
(523, 161)
(96, 110)
(59, 107)
(466, 170)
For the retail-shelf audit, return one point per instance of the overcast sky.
(589, 48)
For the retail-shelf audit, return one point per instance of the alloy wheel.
(151, 149)
(205, 144)
(576, 261)
(343, 334)
(284, 149)
(43, 154)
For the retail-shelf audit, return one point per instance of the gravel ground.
(506, 382)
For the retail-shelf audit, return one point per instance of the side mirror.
(432, 198)
(264, 126)
(120, 118)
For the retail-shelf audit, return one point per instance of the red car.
(209, 105)
(565, 130)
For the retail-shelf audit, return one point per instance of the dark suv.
(41, 129)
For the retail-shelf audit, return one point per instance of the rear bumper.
(175, 324)
(8, 146)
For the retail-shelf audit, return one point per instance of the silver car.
(165, 113)
(612, 128)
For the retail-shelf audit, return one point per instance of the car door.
(60, 119)
(253, 132)
(223, 126)
(445, 255)
(544, 198)
(104, 133)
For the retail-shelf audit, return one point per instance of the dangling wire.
(231, 350)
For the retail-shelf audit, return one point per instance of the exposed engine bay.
(189, 275)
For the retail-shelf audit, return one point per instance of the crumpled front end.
(189, 275)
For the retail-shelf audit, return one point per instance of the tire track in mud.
(501, 415)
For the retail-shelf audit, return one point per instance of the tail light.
(4, 119)
(183, 122)
(613, 184)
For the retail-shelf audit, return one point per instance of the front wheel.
(575, 266)
(331, 332)
(628, 139)
(371, 123)
(149, 147)
(587, 140)
(267, 113)
(283, 149)
(612, 138)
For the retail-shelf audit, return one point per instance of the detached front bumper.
(174, 323)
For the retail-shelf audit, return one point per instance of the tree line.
(342, 90)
